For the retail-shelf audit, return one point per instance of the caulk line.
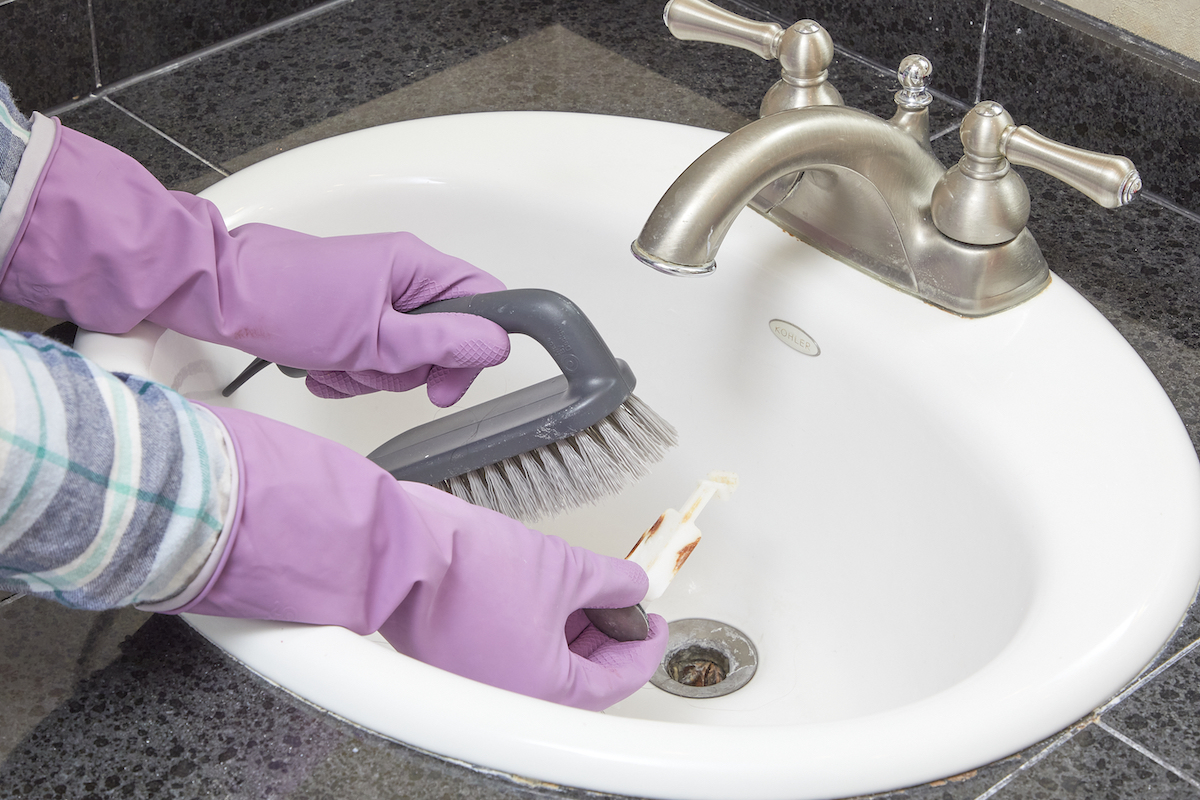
(1142, 681)
(173, 141)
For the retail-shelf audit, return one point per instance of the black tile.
(1164, 715)
(1080, 90)
(171, 716)
(171, 165)
(135, 35)
(737, 79)
(243, 98)
(46, 52)
(947, 32)
(239, 100)
(1096, 766)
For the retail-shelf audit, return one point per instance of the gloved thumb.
(605, 671)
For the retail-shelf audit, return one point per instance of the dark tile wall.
(48, 56)
(1031, 63)
(1073, 87)
(1065, 83)
(133, 36)
(46, 51)
(947, 32)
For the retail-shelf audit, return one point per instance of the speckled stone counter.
(125, 704)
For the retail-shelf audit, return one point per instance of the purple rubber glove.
(103, 244)
(322, 535)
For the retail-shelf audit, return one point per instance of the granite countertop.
(127, 704)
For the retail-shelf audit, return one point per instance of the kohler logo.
(794, 338)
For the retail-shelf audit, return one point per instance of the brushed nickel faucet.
(867, 190)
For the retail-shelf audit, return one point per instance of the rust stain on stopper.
(653, 529)
(684, 552)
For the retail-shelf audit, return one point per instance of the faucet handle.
(1111, 181)
(982, 201)
(702, 21)
(805, 50)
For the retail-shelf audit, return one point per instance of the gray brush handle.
(554, 322)
(551, 319)
(593, 384)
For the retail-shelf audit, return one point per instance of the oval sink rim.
(286, 653)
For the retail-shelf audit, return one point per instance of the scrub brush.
(541, 450)
(556, 445)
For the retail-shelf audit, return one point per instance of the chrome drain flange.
(704, 659)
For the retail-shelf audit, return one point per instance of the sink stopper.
(662, 551)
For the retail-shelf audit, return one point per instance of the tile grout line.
(1170, 205)
(1096, 720)
(173, 141)
(91, 14)
(949, 130)
(850, 54)
(1147, 753)
(987, 13)
(1062, 739)
(102, 92)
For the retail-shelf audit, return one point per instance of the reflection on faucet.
(871, 192)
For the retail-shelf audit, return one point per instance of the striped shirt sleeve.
(15, 130)
(114, 490)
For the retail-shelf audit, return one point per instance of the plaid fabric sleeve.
(113, 489)
(14, 135)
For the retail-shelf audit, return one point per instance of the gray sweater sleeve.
(114, 490)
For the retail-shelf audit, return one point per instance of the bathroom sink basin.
(952, 537)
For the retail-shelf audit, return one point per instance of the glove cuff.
(206, 576)
(43, 143)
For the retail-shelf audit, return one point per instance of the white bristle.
(618, 444)
(478, 489)
(499, 490)
(572, 472)
(559, 479)
(574, 466)
(604, 470)
(535, 474)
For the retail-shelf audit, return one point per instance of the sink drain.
(705, 658)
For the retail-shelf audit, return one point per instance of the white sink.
(952, 537)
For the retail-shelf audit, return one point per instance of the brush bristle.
(572, 472)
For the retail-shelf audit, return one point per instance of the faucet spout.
(860, 189)
(867, 190)
(685, 230)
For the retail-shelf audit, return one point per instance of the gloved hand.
(322, 535)
(103, 244)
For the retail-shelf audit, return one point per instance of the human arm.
(89, 235)
(307, 530)
(115, 491)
